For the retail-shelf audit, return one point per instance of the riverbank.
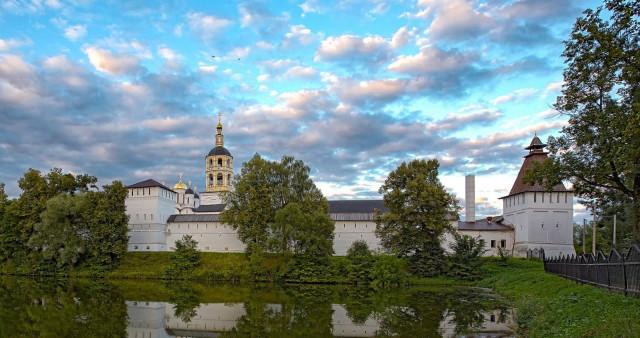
(551, 306)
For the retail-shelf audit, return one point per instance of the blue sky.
(131, 90)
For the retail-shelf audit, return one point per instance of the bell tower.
(218, 168)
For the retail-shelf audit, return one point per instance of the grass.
(551, 306)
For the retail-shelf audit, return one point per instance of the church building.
(159, 216)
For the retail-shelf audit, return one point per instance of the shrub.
(186, 256)
(388, 270)
(465, 262)
(360, 261)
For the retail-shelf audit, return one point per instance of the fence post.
(624, 273)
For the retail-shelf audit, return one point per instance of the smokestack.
(470, 198)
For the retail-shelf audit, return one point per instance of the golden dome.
(180, 185)
(219, 126)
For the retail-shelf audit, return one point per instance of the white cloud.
(113, 64)
(239, 52)
(206, 26)
(208, 69)
(431, 59)
(455, 19)
(517, 96)
(75, 32)
(6, 45)
(553, 87)
(299, 72)
(298, 35)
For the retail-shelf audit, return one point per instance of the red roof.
(536, 153)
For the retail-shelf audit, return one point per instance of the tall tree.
(419, 213)
(599, 150)
(265, 188)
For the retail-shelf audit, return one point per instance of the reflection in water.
(82, 308)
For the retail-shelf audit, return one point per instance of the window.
(228, 163)
(503, 243)
(542, 197)
(135, 247)
(535, 197)
(493, 243)
(210, 179)
(219, 179)
(151, 217)
(219, 163)
(147, 249)
(228, 179)
(558, 225)
(558, 199)
(210, 163)
(565, 199)
(542, 225)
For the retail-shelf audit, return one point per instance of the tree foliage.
(465, 261)
(419, 213)
(58, 222)
(186, 256)
(599, 150)
(277, 206)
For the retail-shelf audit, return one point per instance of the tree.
(360, 261)
(277, 206)
(185, 257)
(419, 213)
(465, 260)
(599, 150)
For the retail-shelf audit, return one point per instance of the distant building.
(160, 216)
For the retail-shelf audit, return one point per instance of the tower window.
(535, 197)
(228, 179)
(220, 179)
(219, 163)
(493, 243)
(503, 243)
(210, 180)
(228, 163)
(210, 163)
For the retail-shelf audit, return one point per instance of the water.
(85, 308)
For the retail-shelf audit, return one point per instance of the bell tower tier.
(218, 167)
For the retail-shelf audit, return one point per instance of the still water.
(85, 308)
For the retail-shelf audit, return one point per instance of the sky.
(132, 90)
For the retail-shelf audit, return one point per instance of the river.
(135, 308)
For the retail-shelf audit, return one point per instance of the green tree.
(277, 206)
(360, 261)
(419, 213)
(186, 256)
(465, 261)
(599, 150)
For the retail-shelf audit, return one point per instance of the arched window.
(210, 180)
(210, 163)
(219, 179)
(228, 179)
(219, 163)
(228, 163)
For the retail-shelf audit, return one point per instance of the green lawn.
(551, 306)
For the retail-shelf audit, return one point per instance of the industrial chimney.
(470, 198)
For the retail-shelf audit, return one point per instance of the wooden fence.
(616, 272)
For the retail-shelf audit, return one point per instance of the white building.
(159, 216)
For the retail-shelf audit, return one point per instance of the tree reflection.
(186, 301)
(60, 308)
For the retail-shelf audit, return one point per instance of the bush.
(465, 262)
(388, 270)
(186, 257)
(360, 261)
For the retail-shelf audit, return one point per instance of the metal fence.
(616, 272)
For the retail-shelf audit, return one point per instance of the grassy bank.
(551, 306)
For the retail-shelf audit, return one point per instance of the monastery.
(159, 216)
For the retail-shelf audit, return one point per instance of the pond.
(133, 308)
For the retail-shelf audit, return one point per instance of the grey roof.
(210, 208)
(149, 184)
(219, 151)
(356, 206)
(496, 224)
(189, 191)
(193, 218)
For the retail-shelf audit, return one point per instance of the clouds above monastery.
(130, 91)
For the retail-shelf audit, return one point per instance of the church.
(159, 215)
